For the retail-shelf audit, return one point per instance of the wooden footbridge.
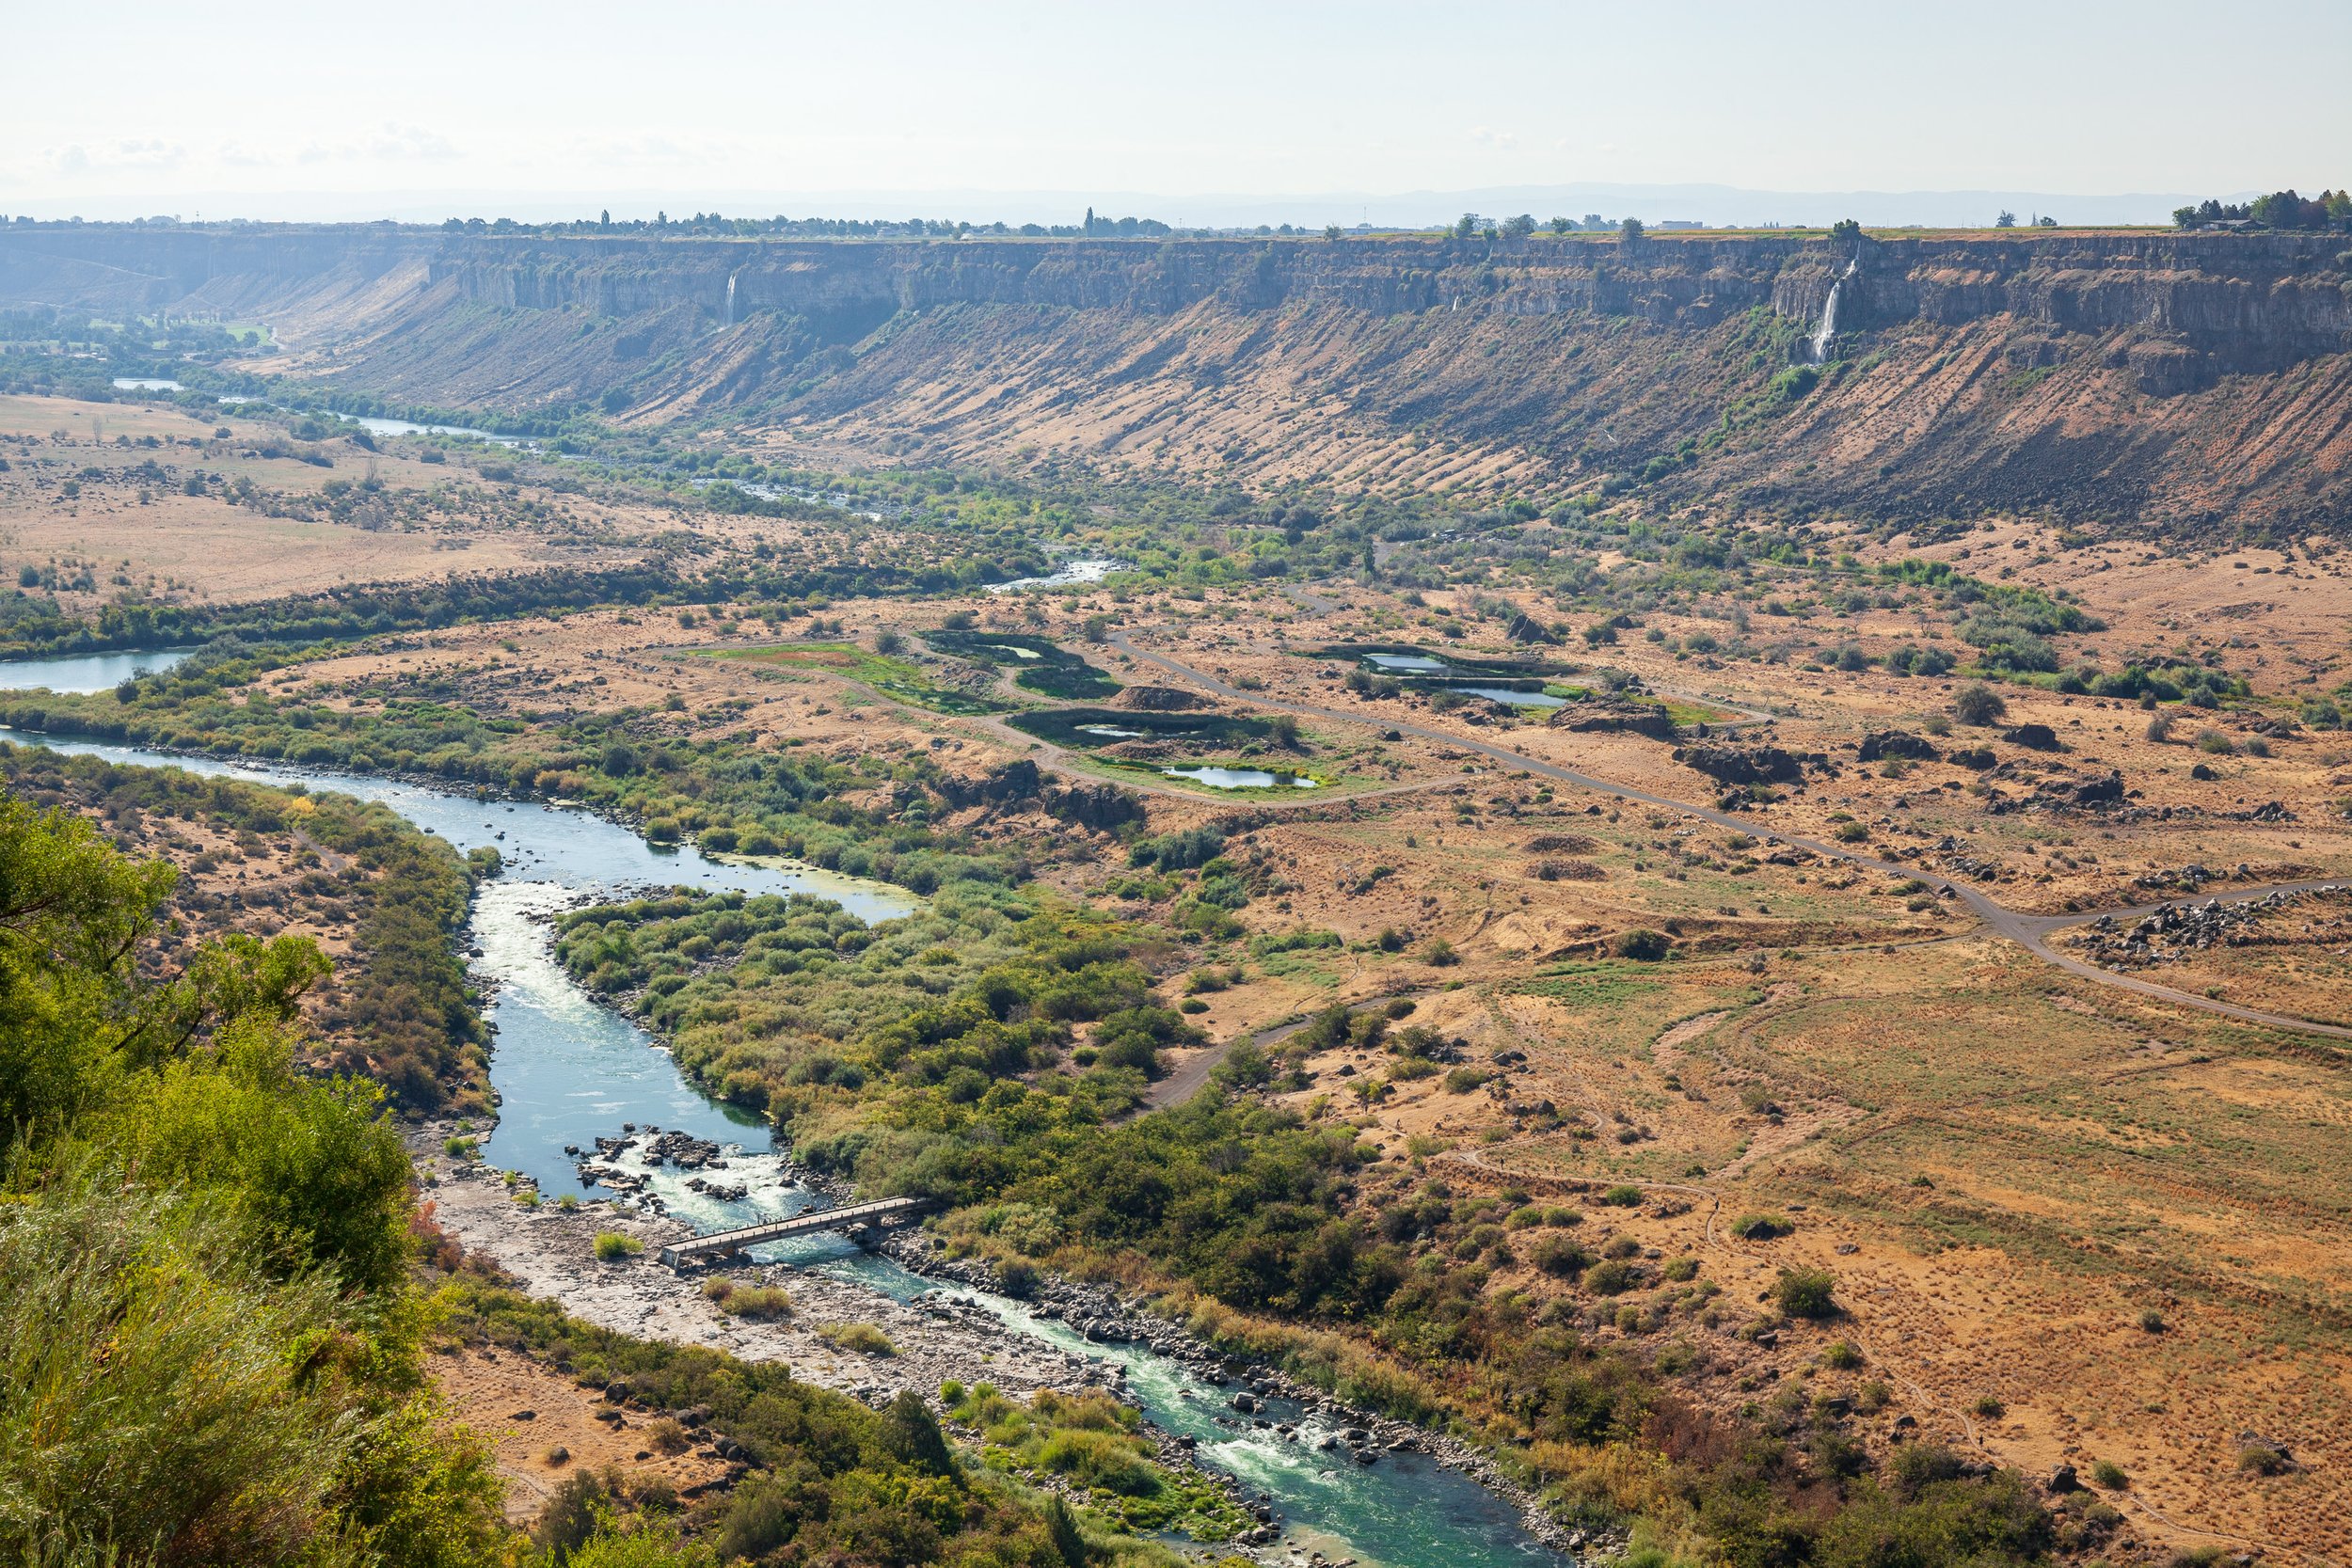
(841, 1217)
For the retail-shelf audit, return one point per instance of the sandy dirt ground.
(542, 1426)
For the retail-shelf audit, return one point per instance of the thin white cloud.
(658, 150)
(410, 141)
(126, 152)
(391, 143)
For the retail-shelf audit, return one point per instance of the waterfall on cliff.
(1828, 329)
(731, 299)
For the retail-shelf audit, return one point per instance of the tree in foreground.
(208, 1353)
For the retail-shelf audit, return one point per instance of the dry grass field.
(2116, 1224)
(262, 527)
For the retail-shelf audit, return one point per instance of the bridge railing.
(796, 1225)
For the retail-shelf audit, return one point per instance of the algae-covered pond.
(1046, 667)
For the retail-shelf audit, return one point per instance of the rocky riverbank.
(959, 1330)
(1255, 1396)
(551, 1251)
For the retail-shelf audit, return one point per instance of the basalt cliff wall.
(2128, 376)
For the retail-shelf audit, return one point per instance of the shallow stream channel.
(569, 1069)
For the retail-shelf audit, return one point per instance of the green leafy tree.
(318, 1173)
(76, 1017)
(1979, 703)
(73, 915)
(913, 1436)
(1062, 1527)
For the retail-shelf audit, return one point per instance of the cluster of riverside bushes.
(793, 1006)
(1098, 1445)
(32, 625)
(404, 1009)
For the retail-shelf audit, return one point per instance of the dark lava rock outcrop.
(1743, 765)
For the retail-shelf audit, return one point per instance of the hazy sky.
(265, 109)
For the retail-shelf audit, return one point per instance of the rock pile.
(1567, 871)
(2175, 931)
(684, 1150)
(2192, 877)
(1560, 843)
(1099, 806)
(2034, 737)
(681, 1149)
(1159, 699)
(2065, 792)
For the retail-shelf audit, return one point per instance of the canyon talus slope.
(2174, 380)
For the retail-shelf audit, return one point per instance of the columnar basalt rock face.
(2253, 301)
(2127, 375)
(2285, 291)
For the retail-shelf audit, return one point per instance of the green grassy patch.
(1692, 713)
(900, 679)
(1097, 1446)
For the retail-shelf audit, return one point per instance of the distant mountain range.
(1716, 206)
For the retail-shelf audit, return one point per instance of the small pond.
(1238, 778)
(375, 426)
(146, 383)
(1516, 699)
